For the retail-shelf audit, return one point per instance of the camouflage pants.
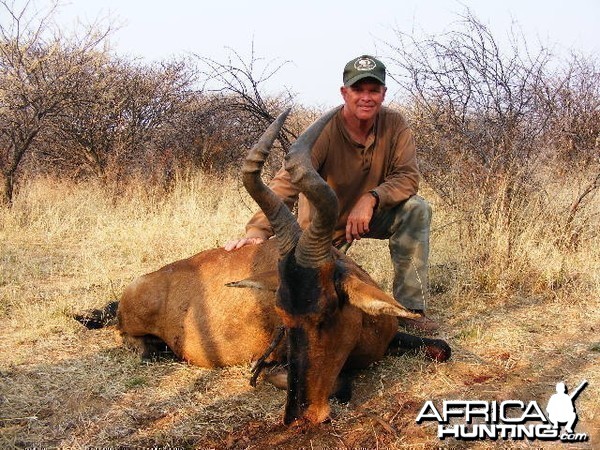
(407, 228)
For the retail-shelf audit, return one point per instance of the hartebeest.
(221, 308)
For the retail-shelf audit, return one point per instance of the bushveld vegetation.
(111, 168)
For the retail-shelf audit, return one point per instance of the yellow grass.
(519, 319)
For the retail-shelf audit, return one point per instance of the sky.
(318, 37)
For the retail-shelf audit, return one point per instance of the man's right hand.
(239, 243)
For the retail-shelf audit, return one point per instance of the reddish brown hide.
(189, 306)
(218, 309)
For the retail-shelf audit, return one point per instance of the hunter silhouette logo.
(561, 406)
(509, 419)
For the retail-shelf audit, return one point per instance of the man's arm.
(258, 228)
(402, 180)
(281, 184)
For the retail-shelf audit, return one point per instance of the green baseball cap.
(364, 66)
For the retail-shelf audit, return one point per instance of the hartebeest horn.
(282, 220)
(314, 246)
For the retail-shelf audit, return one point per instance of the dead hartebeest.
(221, 308)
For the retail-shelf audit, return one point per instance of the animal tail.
(94, 319)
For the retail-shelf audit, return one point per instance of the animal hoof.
(439, 351)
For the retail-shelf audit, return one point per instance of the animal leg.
(436, 349)
(261, 364)
(98, 318)
(277, 376)
(343, 387)
(147, 346)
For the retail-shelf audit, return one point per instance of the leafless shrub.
(488, 118)
(41, 72)
(574, 134)
(122, 121)
(575, 111)
(240, 107)
(474, 105)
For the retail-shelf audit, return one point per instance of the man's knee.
(411, 227)
(414, 214)
(418, 210)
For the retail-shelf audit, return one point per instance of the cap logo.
(364, 64)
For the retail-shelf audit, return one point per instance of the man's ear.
(344, 91)
(372, 300)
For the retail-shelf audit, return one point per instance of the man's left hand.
(359, 217)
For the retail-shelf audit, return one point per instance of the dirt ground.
(74, 388)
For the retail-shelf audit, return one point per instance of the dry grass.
(519, 317)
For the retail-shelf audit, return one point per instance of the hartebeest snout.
(221, 308)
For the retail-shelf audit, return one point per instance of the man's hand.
(239, 243)
(359, 217)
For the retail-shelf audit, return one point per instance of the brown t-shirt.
(386, 163)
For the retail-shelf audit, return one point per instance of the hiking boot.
(423, 323)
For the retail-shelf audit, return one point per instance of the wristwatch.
(376, 195)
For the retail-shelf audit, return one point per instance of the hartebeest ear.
(372, 300)
(268, 281)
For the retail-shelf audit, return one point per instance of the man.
(366, 153)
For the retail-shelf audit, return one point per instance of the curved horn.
(314, 246)
(282, 220)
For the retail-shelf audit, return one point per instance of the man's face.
(363, 99)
